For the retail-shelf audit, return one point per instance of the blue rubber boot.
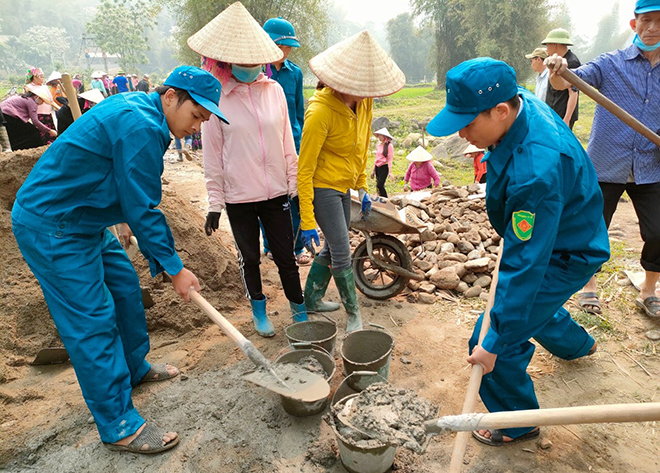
(298, 312)
(261, 321)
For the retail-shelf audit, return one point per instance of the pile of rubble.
(457, 250)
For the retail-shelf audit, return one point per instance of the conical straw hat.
(358, 66)
(235, 37)
(419, 155)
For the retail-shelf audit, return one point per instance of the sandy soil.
(227, 425)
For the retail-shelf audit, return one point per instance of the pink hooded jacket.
(254, 157)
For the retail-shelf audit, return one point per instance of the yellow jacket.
(333, 149)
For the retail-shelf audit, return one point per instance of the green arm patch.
(523, 224)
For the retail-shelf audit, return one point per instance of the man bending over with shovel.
(624, 159)
(543, 199)
(107, 170)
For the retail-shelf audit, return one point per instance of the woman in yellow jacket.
(333, 160)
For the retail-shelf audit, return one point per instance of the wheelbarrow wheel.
(375, 282)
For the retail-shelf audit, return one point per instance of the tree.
(452, 46)
(309, 18)
(43, 46)
(120, 27)
(409, 47)
(609, 37)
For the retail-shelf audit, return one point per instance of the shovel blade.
(147, 300)
(51, 356)
(302, 384)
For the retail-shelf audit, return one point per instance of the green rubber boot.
(317, 282)
(345, 282)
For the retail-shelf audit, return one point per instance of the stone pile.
(457, 250)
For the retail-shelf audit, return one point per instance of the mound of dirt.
(27, 325)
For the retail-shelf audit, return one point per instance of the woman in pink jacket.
(251, 164)
(384, 158)
(421, 174)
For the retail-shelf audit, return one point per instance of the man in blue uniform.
(543, 199)
(107, 171)
(289, 76)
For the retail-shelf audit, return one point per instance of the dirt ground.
(228, 425)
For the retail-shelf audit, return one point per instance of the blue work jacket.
(106, 169)
(543, 198)
(291, 79)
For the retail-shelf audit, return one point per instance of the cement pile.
(392, 415)
(457, 250)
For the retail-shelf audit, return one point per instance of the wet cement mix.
(392, 415)
(312, 365)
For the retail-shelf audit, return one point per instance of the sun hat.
(558, 36)
(419, 155)
(97, 75)
(235, 37)
(358, 66)
(538, 52)
(645, 6)
(201, 85)
(472, 149)
(472, 87)
(93, 95)
(384, 132)
(54, 76)
(281, 32)
(41, 91)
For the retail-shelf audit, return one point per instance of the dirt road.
(227, 425)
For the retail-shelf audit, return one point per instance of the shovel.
(642, 412)
(297, 383)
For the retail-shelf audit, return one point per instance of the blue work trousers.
(508, 387)
(94, 297)
(295, 220)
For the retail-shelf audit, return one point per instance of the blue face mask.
(245, 74)
(645, 47)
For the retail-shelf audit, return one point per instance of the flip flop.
(588, 302)
(303, 259)
(151, 436)
(650, 305)
(497, 437)
(158, 372)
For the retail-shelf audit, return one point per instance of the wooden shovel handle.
(71, 96)
(229, 330)
(611, 107)
(476, 374)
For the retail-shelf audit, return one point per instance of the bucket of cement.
(367, 350)
(314, 359)
(322, 333)
(359, 454)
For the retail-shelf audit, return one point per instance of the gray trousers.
(332, 210)
(5, 146)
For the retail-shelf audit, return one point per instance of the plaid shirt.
(627, 78)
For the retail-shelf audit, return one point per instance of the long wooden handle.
(476, 374)
(611, 107)
(542, 417)
(229, 330)
(71, 95)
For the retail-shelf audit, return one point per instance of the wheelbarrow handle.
(611, 107)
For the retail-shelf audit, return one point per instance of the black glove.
(212, 222)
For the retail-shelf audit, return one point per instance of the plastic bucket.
(367, 350)
(322, 333)
(302, 408)
(376, 457)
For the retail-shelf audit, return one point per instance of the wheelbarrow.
(382, 264)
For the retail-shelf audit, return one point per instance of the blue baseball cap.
(472, 87)
(645, 6)
(281, 32)
(201, 85)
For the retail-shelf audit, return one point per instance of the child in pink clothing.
(421, 174)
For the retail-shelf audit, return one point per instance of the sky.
(585, 13)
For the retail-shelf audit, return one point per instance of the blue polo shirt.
(105, 170)
(291, 79)
(627, 78)
(121, 82)
(539, 168)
